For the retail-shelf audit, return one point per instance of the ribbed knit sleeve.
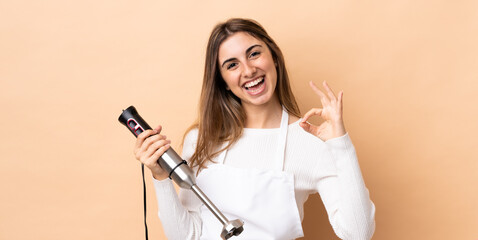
(179, 215)
(345, 197)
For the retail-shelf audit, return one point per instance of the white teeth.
(253, 83)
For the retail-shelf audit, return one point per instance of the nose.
(249, 70)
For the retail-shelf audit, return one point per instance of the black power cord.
(144, 202)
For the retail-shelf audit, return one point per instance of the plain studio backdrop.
(409, 71)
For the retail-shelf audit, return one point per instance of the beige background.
(68, 68)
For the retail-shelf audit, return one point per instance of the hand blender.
(180, 172)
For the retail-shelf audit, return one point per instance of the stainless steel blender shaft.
(209, 204)
(182, 175)
(231, 228)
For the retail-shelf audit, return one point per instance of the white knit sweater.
(329, 168)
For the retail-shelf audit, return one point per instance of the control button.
(132, 124)
(138, 131)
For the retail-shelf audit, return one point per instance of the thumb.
(158, 129)
(307, 127)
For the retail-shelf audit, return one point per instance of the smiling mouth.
(254, 84)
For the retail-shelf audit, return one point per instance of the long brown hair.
(221, 116)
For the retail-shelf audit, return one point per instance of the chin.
(262, 100)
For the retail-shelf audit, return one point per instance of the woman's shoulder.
(189, 143)
(192, 132)
(191, 136)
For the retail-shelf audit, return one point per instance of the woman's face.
(248, 69)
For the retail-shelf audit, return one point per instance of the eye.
(231, 65)
(254, 54)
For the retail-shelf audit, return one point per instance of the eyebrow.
(247, 51)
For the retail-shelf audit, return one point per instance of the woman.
(255, 158)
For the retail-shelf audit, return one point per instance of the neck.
(267, 115)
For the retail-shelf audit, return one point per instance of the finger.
(322, 96)
(310, 113)
(158, 129)
(305, 125)
(155, 146)
(329, 91)
(142, 137)
(158, 153)
(151, 140)
(341, 94)
(146, 143)
(309, 127)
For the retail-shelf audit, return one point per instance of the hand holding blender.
(154, 151)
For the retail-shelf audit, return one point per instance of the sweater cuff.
(341, 148)
(341, 142)
(165, 185)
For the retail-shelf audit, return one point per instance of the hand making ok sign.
(331, 113)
